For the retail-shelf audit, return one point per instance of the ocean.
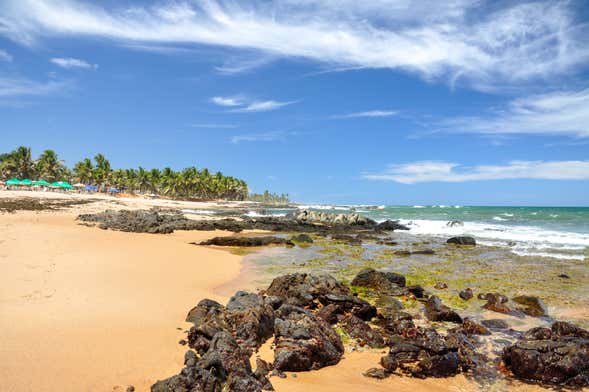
(558, 232)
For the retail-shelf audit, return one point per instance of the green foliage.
(190, 183)
(269, 198)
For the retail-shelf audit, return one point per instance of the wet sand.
(83, 309)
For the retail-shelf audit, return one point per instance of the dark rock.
(350, 304)
(455, 223)
(466, 294)
(564, 276)
(416, 290)
(424, 252)
(225, 366)
(208, 318)
(246, 241)
(302, 239)
(130, 388)
(390, 225)
(378, 280)
(404, 253)
(440, 286)
(532, 306)
(358, 329)
(496, 303)
(559, 356)
(436, 311)
(378, 373)
(495, 324)
(302, 289)
(250, 318)
(387, 242)
(425, 354)
(469, 327)
(462, 241)
(303, 341)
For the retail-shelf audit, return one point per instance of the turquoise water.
(559, 232)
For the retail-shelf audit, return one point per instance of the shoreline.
(136, 341)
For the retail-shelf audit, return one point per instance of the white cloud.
(435, 171)
(5, 56)
(13, 87)
(263, 106)
(557, 113)
(370, 113)
(213, 125)
(475, 41)
(70, 62)
(241, 104)
(261, 137)
(227, 101)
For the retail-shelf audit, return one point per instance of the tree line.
(189, 183)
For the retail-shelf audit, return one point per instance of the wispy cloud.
(436, 171)
(478, 42)
(370, 113)
(241, 64)
(241, 104)
(557, 113)
(261, 137)
(227, 101)
(5, 56)
(70, 62)
(14, 87)
(213, 125)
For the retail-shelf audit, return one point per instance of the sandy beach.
(84, 309)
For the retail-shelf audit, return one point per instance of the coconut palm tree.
(18, 163)
(49, 167)
(102, 170)
(84, 171)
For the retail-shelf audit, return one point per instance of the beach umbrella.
(113, 190)
(62, 184)
(79, 185)
(13, 181)
(41, 183)
(26, 181)
(91, 188)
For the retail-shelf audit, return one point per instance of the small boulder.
(436, 311)
(466, 294)
(378, 280)
(532, 306)
(462, 240)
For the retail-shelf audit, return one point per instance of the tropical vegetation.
(269, 198)
(189, 183)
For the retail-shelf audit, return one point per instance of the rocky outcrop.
(366, 336)
(378, 280)
(390, 225)
(303, 341)
(436, 311)
(466, 294)
(246, 241)
(532, 306)
(224, 366)
(424, 354)
(559, 355)
(302, 239)
(463, 240)
(305, 290)
(326, 218)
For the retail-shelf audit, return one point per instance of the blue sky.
(392, 101)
